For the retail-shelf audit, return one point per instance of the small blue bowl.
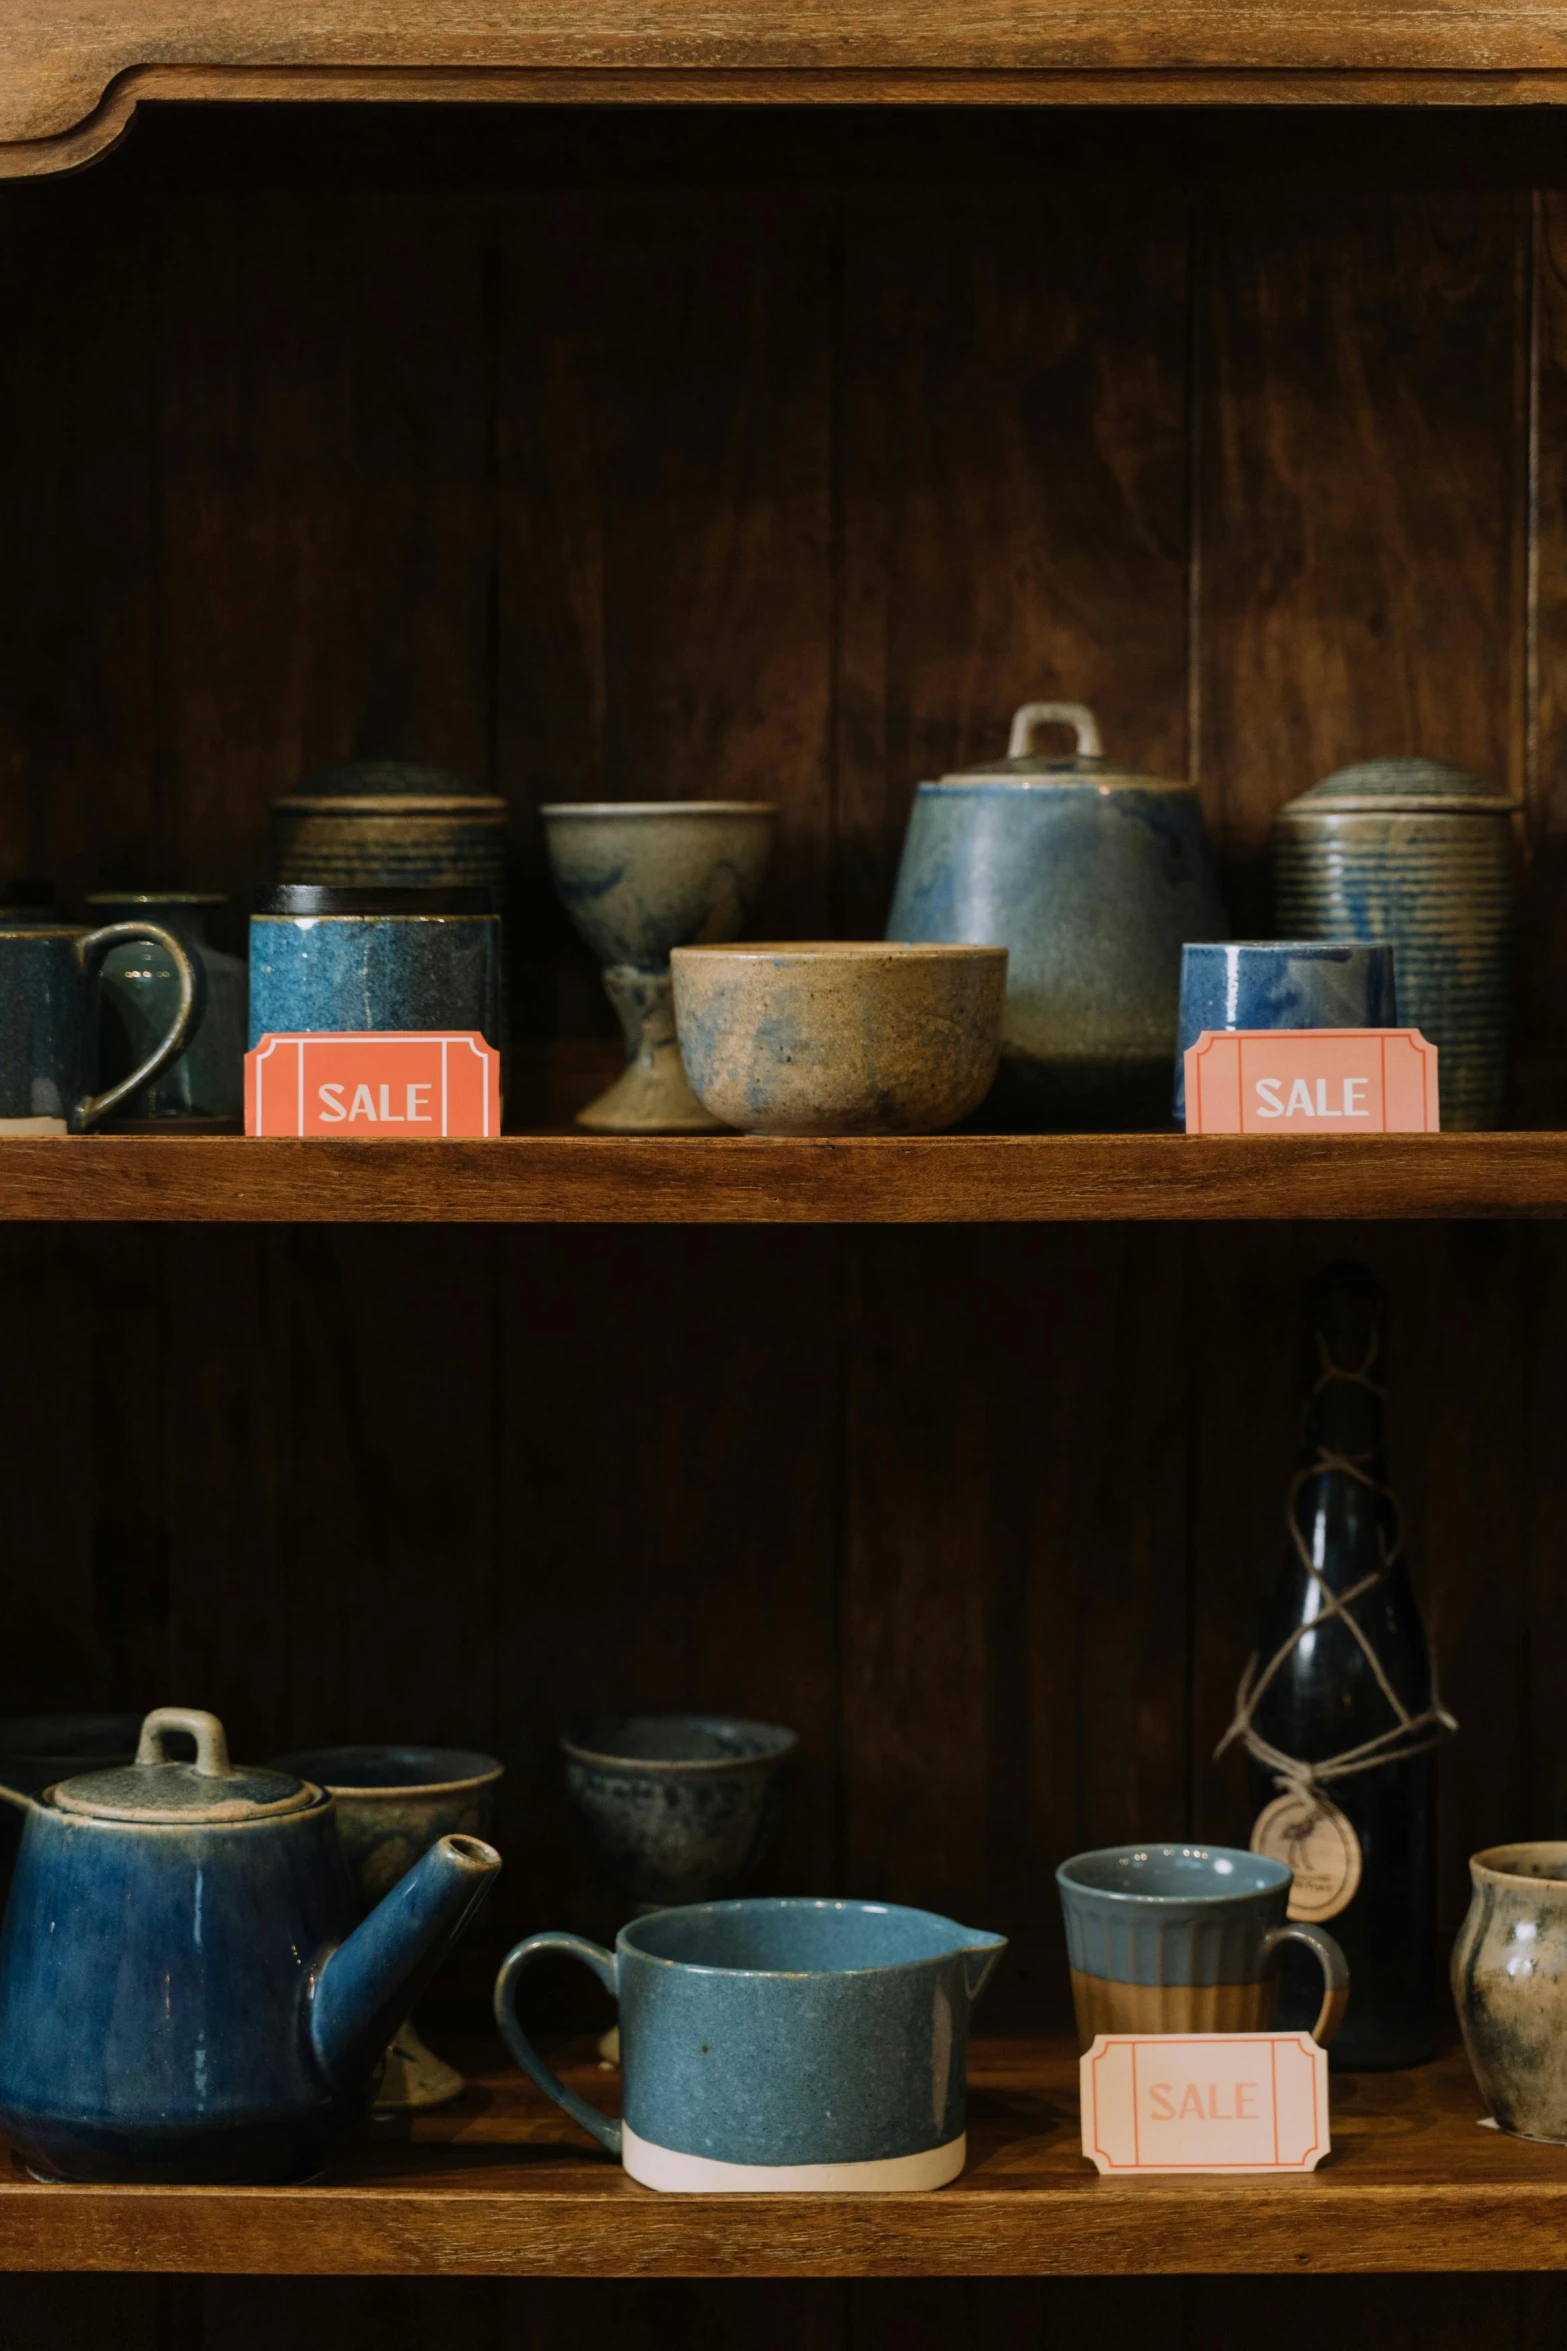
(1281, 984)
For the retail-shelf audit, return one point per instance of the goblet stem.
(653, 1096)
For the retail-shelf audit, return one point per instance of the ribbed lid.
(409, 780)
(1085, 765)
(156, 1791)
(1429, 787)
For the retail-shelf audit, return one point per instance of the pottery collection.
(238, 2033)
(638, 879)
(1421, 855)
(1185, 1939)
(1093, 878)
(51, 978)
(393, 1804)
(140, 993)
(834, 1038)
(778, 2046)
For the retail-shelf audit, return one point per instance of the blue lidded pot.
(774, 2046)
(331, 959)
(1092, 877)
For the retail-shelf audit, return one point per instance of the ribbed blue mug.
(777, 2046)
(1281, 984)
(1185, 1939)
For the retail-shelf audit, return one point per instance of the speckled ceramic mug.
(1510, 1986)
(779, 2046)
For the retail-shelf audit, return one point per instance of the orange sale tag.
(1311, 1082)
(373, 1084)
(1217, 2103)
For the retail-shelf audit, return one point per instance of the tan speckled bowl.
(816, 1037)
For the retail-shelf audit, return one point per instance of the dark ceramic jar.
(390, 823)
(375, 959)
(1093, 878)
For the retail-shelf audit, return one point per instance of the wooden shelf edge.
(108, 115)
(732, 1179)
(503, 2186)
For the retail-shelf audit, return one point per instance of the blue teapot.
(1093, 878)
(185, 1994)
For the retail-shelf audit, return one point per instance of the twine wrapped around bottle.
(1410, 1734)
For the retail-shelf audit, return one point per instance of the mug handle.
(598, 2126)
(90, 952)
(1075, 715)
(1335, 1973)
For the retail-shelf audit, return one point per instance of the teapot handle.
(1034, 715)
(212, 1746)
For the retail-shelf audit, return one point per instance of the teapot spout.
(370, 1983)
(980, 1954)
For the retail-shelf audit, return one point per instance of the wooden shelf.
(731, 1179)
(502, 2186)
(70, 79)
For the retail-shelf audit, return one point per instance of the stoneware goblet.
(679, 1808)
(393, 1803)
(639, 878)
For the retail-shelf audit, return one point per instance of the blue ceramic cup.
(779, 2046)
(328, 959)
(1185, 1939)
(1281, 984)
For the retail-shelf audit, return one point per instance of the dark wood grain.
(500, 2186)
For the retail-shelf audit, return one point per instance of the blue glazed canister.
(1092, 877)
(1420, 854)
(325, 959)
(779, 2046)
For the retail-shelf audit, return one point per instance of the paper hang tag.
(377, 1085)
(1214, 2104)
(1311, 1082)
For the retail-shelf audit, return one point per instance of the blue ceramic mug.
(1186, 1939)
(329, 959)
(1281, 984)
(779, 2046)
(50, 976)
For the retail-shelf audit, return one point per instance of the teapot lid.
(156, 1791)
(1084, 764)
(1409, 787)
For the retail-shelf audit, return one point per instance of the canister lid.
(1401, 787)
(1085, 764)
(362, 787)
(317, 898)
(157, 1792)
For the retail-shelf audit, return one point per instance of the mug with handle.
(1186, 1939)
(49, 980)
(772, 2045)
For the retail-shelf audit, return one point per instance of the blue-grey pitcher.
(777, 2046)
(1093, 878)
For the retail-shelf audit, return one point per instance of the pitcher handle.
(90, 952)
(598, 2126)
(1335, 1973)
(1034, 715)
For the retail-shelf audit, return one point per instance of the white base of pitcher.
(663, 2167)
(33, 1126)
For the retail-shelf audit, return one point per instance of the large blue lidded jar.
(328, 959)
(1093, 878)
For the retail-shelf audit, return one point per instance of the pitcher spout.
(370, 1983)
(980, 1954)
